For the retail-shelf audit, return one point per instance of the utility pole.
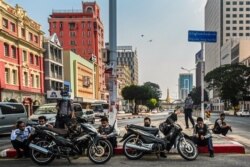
(113, 62)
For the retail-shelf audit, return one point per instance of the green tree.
(230, 81)
(155, 89)
(196, 95)
(151, 103)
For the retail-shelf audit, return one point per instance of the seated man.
(147, 122)
(108, 132)
(202, 136)
(220, 126)
(42, 121)
(19, 139)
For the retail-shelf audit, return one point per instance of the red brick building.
(81, 31)
(21, 57)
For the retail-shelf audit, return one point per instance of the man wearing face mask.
(65, 111)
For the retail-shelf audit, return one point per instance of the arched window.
(89, 9)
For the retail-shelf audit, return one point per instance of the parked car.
(100, 109)
(243, 112)
(9, 114)
(226, 112)
(49, 111)
(88, 115)
(121, 112)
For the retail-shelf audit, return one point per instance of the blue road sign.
(202, 36)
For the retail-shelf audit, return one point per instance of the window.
(247, 34)
(227, 15)
(241, 22)
(6, 49)
(247, 15)
(234, 22)
(88, 33)
(23, 32)
(228, 22)
(72, 34)
(61, 25)
(82, 42)
(13, 27)
(240, 34)
(241, 15)
(31, 58)
(247, 28)
(72, 26)
(54, 24)
(234, 9)
(234, 34)
(241, 9)
(36, 39)
(228, 3)
(12, 109)
(89, 24)
(24, 56)
(234, 15)
(241, 3)
(32, 80)
(83, 25)
(248, 22)
(5, 23)
(248, 2)
(89, 42)
(227, 28)
(61, 33)
(37, 60)
(31, 36)
(234, 2)
(247, 9)
(7, 75)
(240, 28)
(227, 9)
(13, 51)
(37, 81)
(25, 79)
(72, 43)
(14, 75)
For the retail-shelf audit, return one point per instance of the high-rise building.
(82, 32)
(230, 19)
(21, 57)
(53, 64)
(127, 56)
(185, 85)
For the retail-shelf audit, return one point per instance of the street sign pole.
(202, 82)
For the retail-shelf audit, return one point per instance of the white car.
(243, 113)
(121, 112)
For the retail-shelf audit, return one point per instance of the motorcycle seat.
(58, 131)
(150, 130)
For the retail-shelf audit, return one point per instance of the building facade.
(21, 57)
(185, 85)
(81, 74)
(127, 56)
(82, 32)
(230, 19)
(53, 64)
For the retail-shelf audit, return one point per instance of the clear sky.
(165, 22)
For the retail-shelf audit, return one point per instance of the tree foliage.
(196, 95)
(155, 88)
(151, 103)
(231, 81)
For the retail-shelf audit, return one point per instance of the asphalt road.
(146, 161)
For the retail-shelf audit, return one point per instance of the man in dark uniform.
(108, 132)
(65, 111)
(202, 136)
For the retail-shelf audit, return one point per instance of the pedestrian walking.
(188, 109)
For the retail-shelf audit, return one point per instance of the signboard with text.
(202, 36)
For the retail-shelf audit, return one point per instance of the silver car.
(9, 114)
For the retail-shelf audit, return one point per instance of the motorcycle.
(140, 140)
(48, 143)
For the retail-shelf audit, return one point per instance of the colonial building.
(82, 32)
(53, 64)
(21, 57)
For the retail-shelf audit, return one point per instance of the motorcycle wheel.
(40, 158)
(187, 149)
(100, 152)
(131, 153)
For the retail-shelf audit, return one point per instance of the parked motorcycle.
(48, 143)
(139, 140)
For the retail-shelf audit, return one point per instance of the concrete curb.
(233, 148)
